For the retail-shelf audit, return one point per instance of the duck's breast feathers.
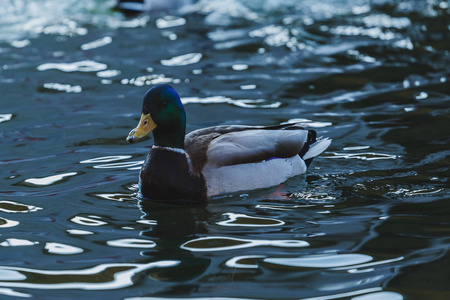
(231, 145)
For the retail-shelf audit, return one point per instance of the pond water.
(370, 219)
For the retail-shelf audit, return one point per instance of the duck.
(216, 160)
(133, 7)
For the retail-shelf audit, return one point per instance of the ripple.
(227, 243)
(5, 117)
(361, 156)
(343, 295)
(101, 277)
(196, 298)
(20, 43)
(282, 207)
(182, 60)
(239, 67)
(377, 20)
(320, 261)
(244, 262)
(134, 22)
(345, 97)
(12, 293)
(5, 223)
(419, 192)
(79, 232)
(115, 197)
(355, 148)
(248, 221)
(273, 35)
(149, 80)
(63, 249)
(309, 123)
(108, 73)
(244, 103)
(79, 66)
(17, 207)
(147, 222)
(248, 87)
(313, 197)
(356, 268)
(88, 221)
(130, 164)
(374, 32)
(63, 87)
(65, 27)
(104, 159)
(97, 43)
(12, 242)
(50, 179)
(422, 192)
(380, 296)
(170, 21)
(132, 243)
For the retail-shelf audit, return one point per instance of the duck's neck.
(170, 139)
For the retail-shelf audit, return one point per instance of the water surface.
(370, 219)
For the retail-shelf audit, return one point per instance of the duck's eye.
(163, 104)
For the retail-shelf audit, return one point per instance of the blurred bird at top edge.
(131, 7)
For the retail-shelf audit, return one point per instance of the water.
(370, 219)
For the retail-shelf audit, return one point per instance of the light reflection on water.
(249, 221)
(227, 243)
(113, 276)
(368, 221)
(320, 261)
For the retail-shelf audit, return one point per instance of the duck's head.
(164, 115)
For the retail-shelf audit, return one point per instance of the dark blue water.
(370, 219)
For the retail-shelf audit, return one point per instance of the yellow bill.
(145, 126)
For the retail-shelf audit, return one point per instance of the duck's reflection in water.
(171, 225)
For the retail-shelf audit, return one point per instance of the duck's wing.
(254, 146)
(230, 145)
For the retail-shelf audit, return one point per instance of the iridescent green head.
(164, 115)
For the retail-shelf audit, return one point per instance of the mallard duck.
(140, 6)
(219, 159)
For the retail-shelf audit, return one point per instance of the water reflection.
(372, 76)
(182, 60)
(17, 207)
(62, 249)
(79, 232)
(88, 220)
(245, 261)
(5, 117)
(249, 221)
(97, 43)
(227, 243)
(12, 242)
(79, 66)
(244, 103)
(168, 226)
(132, 243)
(170, 21)
(320, 261)
(380, 296)
(361, 156)
(6, 223)
(67, 88)
(172, 220)
(49, 180)
(101, 277)
(12, 293)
